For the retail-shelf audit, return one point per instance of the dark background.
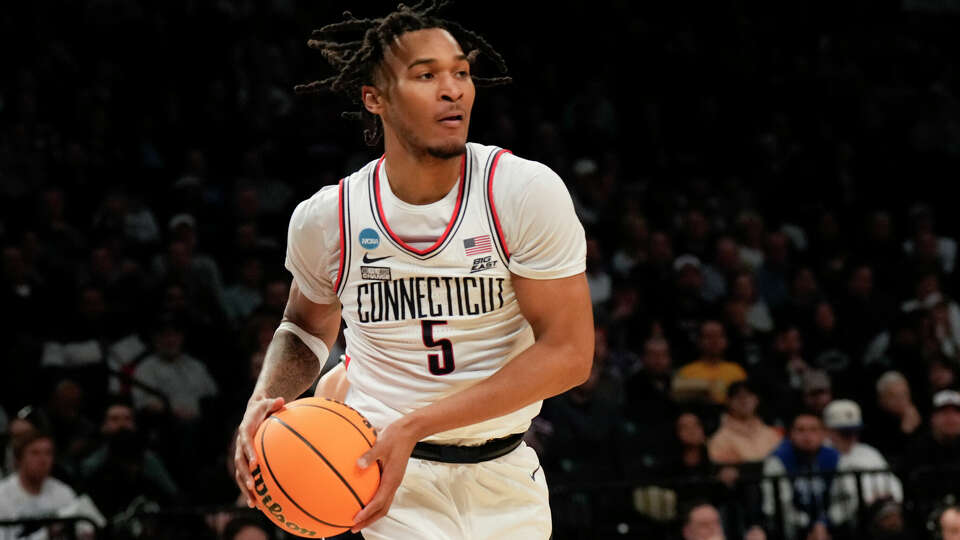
(813, 114)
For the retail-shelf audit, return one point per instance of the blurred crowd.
(771, 252)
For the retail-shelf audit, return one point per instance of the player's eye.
(425, 76)
(463, 74)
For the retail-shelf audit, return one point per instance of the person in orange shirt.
(742, 437)
(707, 379)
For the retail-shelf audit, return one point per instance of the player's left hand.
(392, 450)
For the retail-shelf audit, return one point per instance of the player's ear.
(372, 99)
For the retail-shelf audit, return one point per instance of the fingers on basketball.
(380, 504)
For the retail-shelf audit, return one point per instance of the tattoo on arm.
(289, 368)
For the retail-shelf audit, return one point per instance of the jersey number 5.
(433, 359)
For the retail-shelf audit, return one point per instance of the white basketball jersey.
(426, 323)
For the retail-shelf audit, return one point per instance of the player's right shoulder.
(319, 205)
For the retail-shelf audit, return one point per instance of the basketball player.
(459, 270)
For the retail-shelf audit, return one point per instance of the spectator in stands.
(932, 461)
(687, 462)
(687, 307)
(633, 245)
(656, 275)
(941, 374)
(275, 294)
(718, 275)
(805, 295)
(826, 344)
(694, 233)
(24, 314)
(90, 347)
(926, 246)
(182, 379)
(198, 272)
(68, 425)
(927, 295)
(586, 417)
(648, 390)
(30, 491)
(601, 284)
(746, 344)
(758, 312)
(788, 355)
(245, 296)
(844, 421)
(701, 521)
(120, 280)
(243, 528)
(708, 377)
(885, 521)
(123, 468)
(752, 229)
(897, 418)
(649, 403)
(817, 391)
(864, 311)
(18, 428)
(941, 336)
(948, 524)
(742, 437)
(899, 348)
(773, 275)
(805, 498)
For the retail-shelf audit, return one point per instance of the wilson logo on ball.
(273, 508)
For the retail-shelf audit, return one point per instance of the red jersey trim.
(453, 218)
(342, 237)
(493, 206)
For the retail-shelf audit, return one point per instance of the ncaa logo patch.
(369, 239)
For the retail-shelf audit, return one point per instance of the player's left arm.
(559, 311)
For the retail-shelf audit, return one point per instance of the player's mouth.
(452, 120)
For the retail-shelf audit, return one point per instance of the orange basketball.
(306, 478)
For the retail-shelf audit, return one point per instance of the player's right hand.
(258, 409)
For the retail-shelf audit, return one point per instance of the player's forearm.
(544, 370)
(289, 368)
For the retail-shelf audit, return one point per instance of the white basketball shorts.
(502, 499)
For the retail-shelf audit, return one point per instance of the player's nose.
(449, 89)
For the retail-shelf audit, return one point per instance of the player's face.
(427, 93)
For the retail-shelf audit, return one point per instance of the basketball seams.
(354, 426)
(321, 456)
(266, 461)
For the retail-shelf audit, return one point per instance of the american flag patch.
(477, 245)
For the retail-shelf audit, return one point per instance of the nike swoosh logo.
(533, 475)
(367, 259)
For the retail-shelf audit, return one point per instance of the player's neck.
(419, 179)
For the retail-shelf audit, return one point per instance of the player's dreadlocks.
(356, 60)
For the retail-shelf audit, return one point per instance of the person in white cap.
(844, 421)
